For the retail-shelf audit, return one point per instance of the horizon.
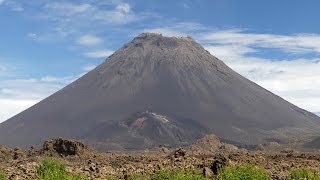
(46, 45)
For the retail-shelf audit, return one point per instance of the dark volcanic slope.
(160, 90)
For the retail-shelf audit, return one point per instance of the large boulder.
(64, 147)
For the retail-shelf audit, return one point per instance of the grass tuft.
(304, 173)
(242, 172)
(54, 170)
(2, 175)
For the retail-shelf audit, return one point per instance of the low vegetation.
(304, 173)
(53, 170)
(2, 175)
(242, 172)
(177, 175)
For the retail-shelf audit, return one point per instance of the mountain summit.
(160, 90)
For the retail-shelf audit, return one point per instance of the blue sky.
(48, 44)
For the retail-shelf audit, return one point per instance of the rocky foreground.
(207, 155)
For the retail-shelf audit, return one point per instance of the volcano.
(159, 90)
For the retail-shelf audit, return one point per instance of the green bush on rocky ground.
(177, 175)
(2, 175)
(54, 170)
(242, 172)
(304, 173)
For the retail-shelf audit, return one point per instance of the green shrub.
(54, 170)
(169, 174)
(304, 173)
(2, 175)
(242, 172)
(176, 174)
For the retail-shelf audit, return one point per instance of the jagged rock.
(219, 163)
(33, 151)
(179, 152)
(5, 152)
(64, 147)
(18, 153)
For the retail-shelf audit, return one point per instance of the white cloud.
(68, 19)
(55, 34)
(98, 54)
(12, 5)
(296, 80)
(232, 51)
(60, 80)
(68, 9)
(18, 94)
(32, 35)
(31, 88)
(6, 70)
(123, 8)
(297, 43)
(89, 40)
(89, 67)
(3, 68)
(12, 107)
(77, 14)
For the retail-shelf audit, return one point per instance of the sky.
(45, 45)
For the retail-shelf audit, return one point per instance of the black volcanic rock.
(161, 90)
(64, 147)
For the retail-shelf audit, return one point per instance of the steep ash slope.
(160, 90)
